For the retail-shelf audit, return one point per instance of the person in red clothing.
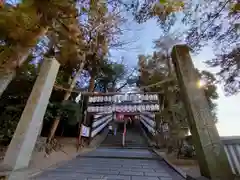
(124, 133)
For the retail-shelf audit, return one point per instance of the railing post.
(210, 151)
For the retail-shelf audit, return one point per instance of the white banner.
(85, 131)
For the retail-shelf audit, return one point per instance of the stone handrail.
(232, 149)
(99, 124)
(148, 123)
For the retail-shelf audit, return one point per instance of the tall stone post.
(211, 156)
(22, 144)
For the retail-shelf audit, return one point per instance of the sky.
(144, 34)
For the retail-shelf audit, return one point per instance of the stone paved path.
(125, 166)
(114, 163)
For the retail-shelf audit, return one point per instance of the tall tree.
(215, 24)
(154, 76)
(98, 31)
(14, 99)
(21, 27)
(110, 75)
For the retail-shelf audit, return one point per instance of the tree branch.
(129, 76)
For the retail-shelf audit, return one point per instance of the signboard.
(85, 131)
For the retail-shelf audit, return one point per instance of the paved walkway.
(113, 164)
(134, 162)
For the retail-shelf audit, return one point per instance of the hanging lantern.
(151, 97)
(89, 109)
(113, 98)
(152, 107)
(97, 109)
(105, 99)
(156, 107)
(121, 108)
(155, 97)
(134, 108)
(131, 108)
(138, 107)
(147, 108)
(91, 99)
(143, 108)
(113, 108)
(118, 108)
(146, 98)
(124, 108)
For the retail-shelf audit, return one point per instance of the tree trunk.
(13, 58)
(91, 84)
(66, 97)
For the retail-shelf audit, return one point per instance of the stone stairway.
(113, 162)
(134, 139)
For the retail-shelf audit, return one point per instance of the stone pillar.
(22, 144)
(211, 156)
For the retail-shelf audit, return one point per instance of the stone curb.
(197, 178)
(178, 170)
(150, 142)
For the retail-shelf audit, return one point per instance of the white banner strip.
(98, 129)
(100, 121)
(150, 129)
(150, 114)
(149, 121)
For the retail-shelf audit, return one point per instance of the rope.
(57, 87)
(158, 83)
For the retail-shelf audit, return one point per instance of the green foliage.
(15, 21)
(230, 69)
(8, 122)
(216, 25)
(71, 112)
(154, 69)
(13, 101)
(151, 9)
(110, 74)
(21, 26)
